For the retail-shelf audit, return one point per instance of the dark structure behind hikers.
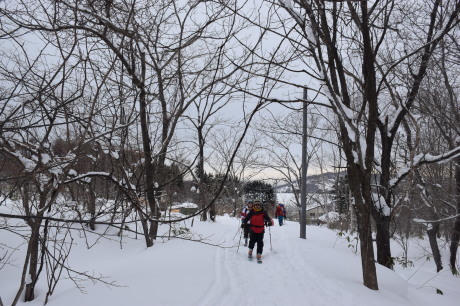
(263, 191)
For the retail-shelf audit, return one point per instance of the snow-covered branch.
(423, 159)
(417, 220)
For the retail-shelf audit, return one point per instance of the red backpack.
(279, 211)
(257, 222)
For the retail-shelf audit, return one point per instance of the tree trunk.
(367, 252)
(212, 212)
(454, 243)
(151, 233)
(92, 206)
(432, 232)
(456, 229)
(383, 239)
(201, 176)
(145, 229)
(33, 263)
(360, 188)
(352, 215)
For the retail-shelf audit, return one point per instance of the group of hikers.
(254, 218)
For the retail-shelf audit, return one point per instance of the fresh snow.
(320, 270)
(381, 204)
(330, 216)
(45, 158)
(185, 205)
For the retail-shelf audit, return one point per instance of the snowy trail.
(323, 269)
(239, 281)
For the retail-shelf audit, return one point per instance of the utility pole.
(303, 176)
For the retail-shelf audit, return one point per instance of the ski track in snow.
(319, 270)
(310, 280)
(240, 281)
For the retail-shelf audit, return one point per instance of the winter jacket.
(258, 220)
(280, 211)
(244, 212)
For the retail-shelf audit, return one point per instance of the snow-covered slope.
(319, 270)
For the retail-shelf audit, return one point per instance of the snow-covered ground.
(319, 270)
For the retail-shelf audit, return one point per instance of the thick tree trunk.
(383, 240)
(360, 188)
(456, 229)
(382, 221)
(367, 252)
(432, 232)
(454, 243)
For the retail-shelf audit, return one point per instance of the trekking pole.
(239, 242)
(239, 228)
(270, 232)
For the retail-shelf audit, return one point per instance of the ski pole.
(239, 242)
(239, 228)
(270, 232)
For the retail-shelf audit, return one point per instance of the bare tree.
(207, 110)
(439, 102)
(245, 165)
(354, 50)
(167, 54)
(283, 134)
(124, 75)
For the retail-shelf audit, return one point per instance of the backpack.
(244, 212)
(279, 211)
(257, 222)
(283, 209)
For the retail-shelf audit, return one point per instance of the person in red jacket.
(280, 213)
(259, 218)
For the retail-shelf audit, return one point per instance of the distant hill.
(318, 183)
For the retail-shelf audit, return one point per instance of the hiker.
(280, 213)
(244, 212)
(258, 218)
